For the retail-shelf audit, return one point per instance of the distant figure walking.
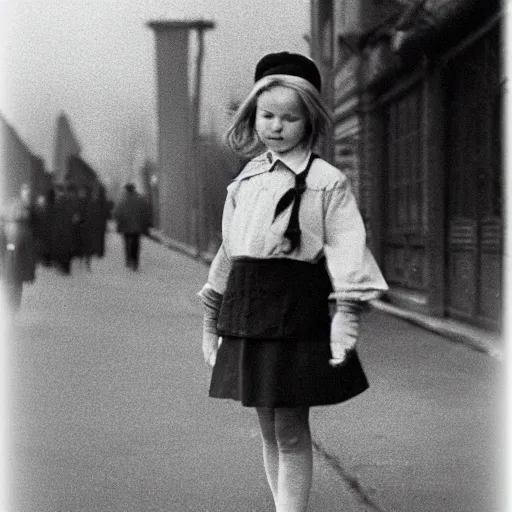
(133, 219)
(86, 229)
(62, 218)
(99, 214)
(17, 248)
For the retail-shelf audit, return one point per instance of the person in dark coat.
(86, 226)
(98, 218)
(132, 215)
(62, 230)
(42, 230)
(17, 247)
(77, 220)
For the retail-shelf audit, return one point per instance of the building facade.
(66, 146)
(19, 165)
(417, 93)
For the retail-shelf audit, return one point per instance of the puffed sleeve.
(221, 264)
(353, 269)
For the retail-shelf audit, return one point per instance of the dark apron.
(276, 299)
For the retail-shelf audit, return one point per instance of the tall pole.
(201, 217)
(178, 127)
(196, 102)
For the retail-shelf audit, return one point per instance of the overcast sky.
(95, 60)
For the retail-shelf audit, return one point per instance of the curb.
(477, 339)
(175, 245)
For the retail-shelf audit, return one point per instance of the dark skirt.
(275, 352)
(273, 373)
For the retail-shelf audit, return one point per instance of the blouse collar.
(296, 160)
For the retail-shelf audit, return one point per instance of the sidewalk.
(111, 398)
(427, 435)
(478, 339)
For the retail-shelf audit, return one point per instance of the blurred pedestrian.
(85, 227)
(77, 220)
(132, 215)
(17, 247)
(99, 217)
(47, 212)
(41, 230)
(63, 221)
(293, 237)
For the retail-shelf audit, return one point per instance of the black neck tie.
(294, 195)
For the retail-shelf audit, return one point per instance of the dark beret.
(285, 63)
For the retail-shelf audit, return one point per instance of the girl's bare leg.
(270, 451)
(293, 437)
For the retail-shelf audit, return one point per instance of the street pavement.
(108, 411)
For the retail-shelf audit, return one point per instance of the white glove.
(211, 302)
(344, 330)
(210, 347)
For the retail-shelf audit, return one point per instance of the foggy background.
(95, 61)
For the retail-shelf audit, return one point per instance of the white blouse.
(329, 219)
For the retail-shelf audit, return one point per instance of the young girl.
(292, 238)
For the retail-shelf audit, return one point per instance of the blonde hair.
(241, 135)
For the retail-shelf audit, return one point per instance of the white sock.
(287, 456)
(270, 449)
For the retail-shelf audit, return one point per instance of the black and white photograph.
(254, 256)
